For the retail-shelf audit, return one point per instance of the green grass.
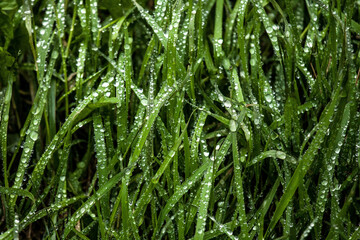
(180, 119)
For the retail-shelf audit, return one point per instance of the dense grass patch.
(180, 119)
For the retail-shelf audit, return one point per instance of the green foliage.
(180, 119)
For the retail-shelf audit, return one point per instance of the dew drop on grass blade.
(270, 28)
(239, 188)
(191, 166)
(204, 201)
(101, 161)
(5, 105)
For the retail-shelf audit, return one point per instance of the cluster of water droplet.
(305, 71)
(270, 28)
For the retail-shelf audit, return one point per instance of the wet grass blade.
(204, 202)
(3, 128)
(101, 161)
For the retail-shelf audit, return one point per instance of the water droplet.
(252, 62)
(280, 155)
(144, 102)
(232, 125)
(227, 104)
(34, 136)
(268, 98)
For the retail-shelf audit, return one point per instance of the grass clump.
(180, 119)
